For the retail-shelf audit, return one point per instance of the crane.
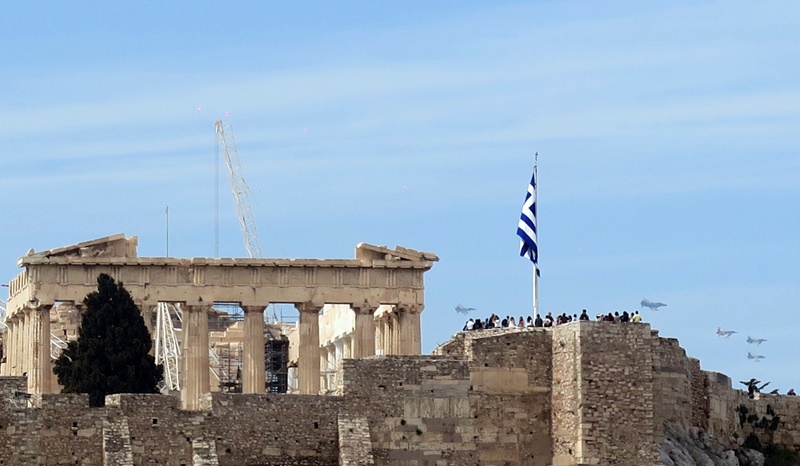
(241, 192)
(167, 350)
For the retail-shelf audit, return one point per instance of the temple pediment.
(109, 246)
(366, 251)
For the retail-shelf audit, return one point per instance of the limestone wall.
(578, 394)
(62, 430)
(567, 425)
(244, 429)
(672, 385)
(425, 409)
(609, 414)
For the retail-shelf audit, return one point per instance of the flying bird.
(754, 357)
(755, 341)
(464, 310)
(652, 305)
(725, 333)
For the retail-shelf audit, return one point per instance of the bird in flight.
(755, 341)
(725, 333)
(652, 305)
(464, 310)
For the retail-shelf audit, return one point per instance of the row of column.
(398, 333)
(399, 328)
(28, 347)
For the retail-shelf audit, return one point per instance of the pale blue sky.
(667, 135)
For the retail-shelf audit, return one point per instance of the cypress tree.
(111, 353)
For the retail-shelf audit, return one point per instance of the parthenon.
(378, 277)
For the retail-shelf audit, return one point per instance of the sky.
(669, 162)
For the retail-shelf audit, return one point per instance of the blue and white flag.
(526, 230)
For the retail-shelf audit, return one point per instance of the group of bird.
(721, 332)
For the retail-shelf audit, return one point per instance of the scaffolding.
(276, 362)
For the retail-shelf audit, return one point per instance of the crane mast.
(241, 192)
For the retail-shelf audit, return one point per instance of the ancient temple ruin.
(581, 393)
(378, 277)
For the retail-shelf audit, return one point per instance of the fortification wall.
(60, 430)
(773, 418)
(243, 429)
(672, 385)
(610, 410)
(566, 417)
(580, 393)
(425, 409)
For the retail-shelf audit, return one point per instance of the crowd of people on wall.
(494, 320)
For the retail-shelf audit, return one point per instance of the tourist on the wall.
(469, 325)
(584, 315)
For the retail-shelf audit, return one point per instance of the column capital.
(197, 307)
(409, 308)
(254, 309)
(308, 307)
(29, 309)
(364, 309)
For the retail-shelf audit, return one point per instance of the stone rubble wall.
(116, 442)
(355, 445)
(700, 382)
(61, 429)
(245, 429)
(205, 453)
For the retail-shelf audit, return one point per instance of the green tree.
(111, 352)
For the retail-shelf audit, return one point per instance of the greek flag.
(526, 230)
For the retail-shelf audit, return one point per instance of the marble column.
(409, 330)
(388, 328)
(364, 335)
(396, 336)
(11, 345)
(308, 352)
(254, 376)
(27, 341)
(41, 366)
(195, 360)
(338, 351)
(347, 345)
(379, 337)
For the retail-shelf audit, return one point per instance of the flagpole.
(535, 278)
(526, 230)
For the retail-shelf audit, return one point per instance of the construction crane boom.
(241, 192)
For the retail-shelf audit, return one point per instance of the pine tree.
(111, 352)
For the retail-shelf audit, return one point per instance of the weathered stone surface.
(584, 393)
